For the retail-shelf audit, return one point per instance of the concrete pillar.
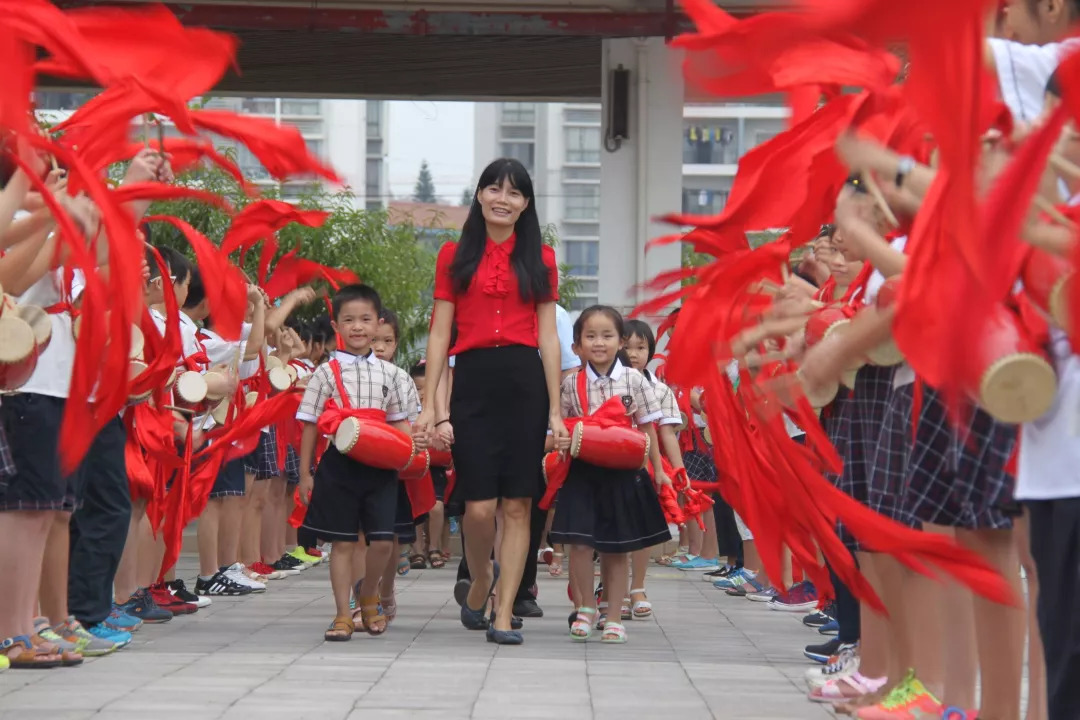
(642, 179)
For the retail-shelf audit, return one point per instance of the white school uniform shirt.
(565, 328)
(1023, 71)
(620, 382)
(52, 376)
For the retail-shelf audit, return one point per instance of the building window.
(316, 147)
(519, 113)
(374, 118)
(588, 294)
(583, 257)
(374, 148)
(372, 178)
(581, 173)
(582, 202)
(296, 106)
(579, 229)
(762, 136)
(373, 205)
(709, 145)
(259, 106)
(525, 152)
(704, 202)
(52, 100)
(518, 132)
(582, 144)
(250, 165)
(580, 115)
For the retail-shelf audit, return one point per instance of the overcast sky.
(441, 133)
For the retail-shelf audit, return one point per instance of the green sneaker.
(88, 645)
(309, 560)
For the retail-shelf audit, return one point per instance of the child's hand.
(307, 484)
(661, 478)
(560, 435)
(304, 295)
(254, 293)
(421, 439)
(145, 166)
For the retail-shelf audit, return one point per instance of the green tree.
(425, 187)
(390, 258)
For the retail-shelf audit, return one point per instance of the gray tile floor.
(705, 655)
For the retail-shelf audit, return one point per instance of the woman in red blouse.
(498, 284)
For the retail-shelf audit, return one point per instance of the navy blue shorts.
(31, 423)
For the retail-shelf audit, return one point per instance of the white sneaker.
(235, 572)
(846, 663)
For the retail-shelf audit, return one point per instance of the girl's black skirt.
(499, 409)
(612, 511)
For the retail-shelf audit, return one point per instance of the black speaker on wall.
(619, 105)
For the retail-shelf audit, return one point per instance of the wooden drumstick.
(182, 411)
(1050, 209)
(1064, 166)
(875, 192)
(147, 119)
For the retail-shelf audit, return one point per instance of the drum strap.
(335, 366)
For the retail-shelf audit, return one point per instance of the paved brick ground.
(263, 658)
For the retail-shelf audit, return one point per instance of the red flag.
(226, 291)
(280, 148)
(291, 272)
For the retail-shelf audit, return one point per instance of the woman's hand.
(660, 478)
(444, 436)
(559, 432)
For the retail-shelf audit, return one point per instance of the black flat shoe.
(504, 637)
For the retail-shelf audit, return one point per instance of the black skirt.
(499, 409)
(612, 511)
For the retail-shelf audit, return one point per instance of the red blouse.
(491, 312)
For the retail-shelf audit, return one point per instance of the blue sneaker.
(120, 620)
(830, 628)
(119, 638)
(698, 563)
(734, 579)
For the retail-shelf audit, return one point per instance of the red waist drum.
(417, 467)
(440, 458)
(374, 443)
(1010, 375)
(618, 448)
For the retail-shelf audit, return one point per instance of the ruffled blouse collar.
(498, 259)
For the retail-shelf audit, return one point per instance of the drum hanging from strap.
(1046, 279)
(215, 378)
(617, 447)
(190, 392)
(292, 374)
(135, 369)
(279, 380)
(417, 467)
(273, 362)
(18, 351)
(138, 343)
(40, 322)
(1010, 376)
(374, 443)
(440, 458)
(822, 323)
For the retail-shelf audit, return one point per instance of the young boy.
(347, 494)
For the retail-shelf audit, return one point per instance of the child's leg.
(229, 527)
(999, 629)
(710, 548)
(341, 576)
(252, 522)
(380, 555)
(27, 531)
(436, 519)
(695, 538)
(581, 575)
(615, 568)
(209, 536)
(270, 519)
(151, 552)
(639, 564)
(1036, 706)
(281, 536)
(124, 585)
(389, 581)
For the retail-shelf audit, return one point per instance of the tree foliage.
(425, 187)
(397, 260)
(390, 258)
(466, 197)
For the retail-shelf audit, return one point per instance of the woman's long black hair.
(532, 274)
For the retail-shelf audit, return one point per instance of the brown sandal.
(340, 630)
(29, 657)
(68, 658)
(436, 559)
(370, 612)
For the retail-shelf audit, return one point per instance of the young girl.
(640, 349)
(599, 508)
(385, 348)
